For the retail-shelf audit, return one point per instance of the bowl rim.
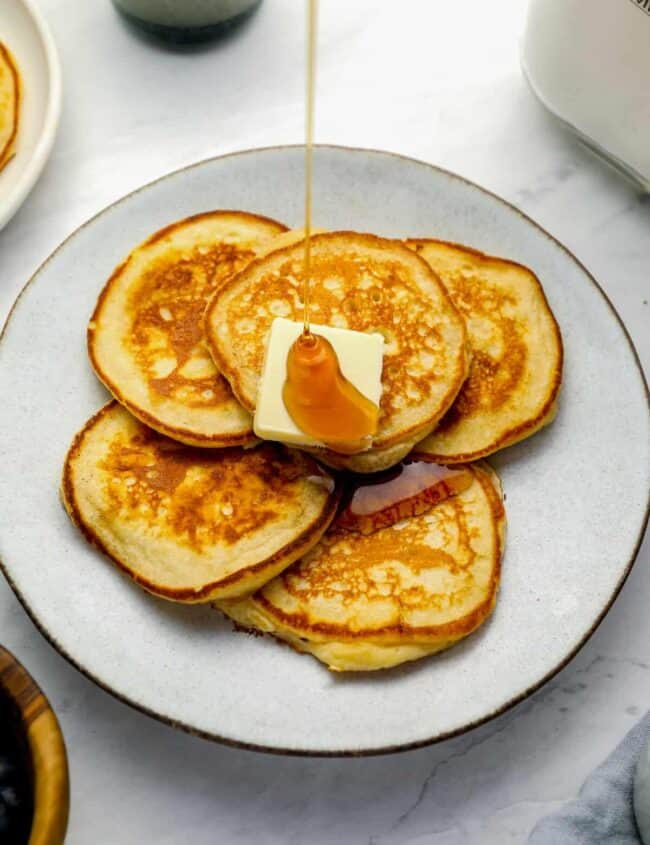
(34, 166)
(47, 751)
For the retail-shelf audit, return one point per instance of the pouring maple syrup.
(319, 398)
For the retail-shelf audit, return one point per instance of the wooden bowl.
(48, 762)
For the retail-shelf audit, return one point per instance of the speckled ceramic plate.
(577, 494)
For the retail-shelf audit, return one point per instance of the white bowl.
(28, 37)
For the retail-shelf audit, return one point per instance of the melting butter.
(360, 357)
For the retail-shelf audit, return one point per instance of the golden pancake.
(371, 601)
(516, 370)
(359, 282)
(189, 524)
(145, 337)
(9, 105)
(374, 460)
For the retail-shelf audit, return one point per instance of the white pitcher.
(588, 61)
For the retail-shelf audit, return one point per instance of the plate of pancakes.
(297, 599)
(30, 101)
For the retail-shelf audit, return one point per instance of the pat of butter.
(360, 357)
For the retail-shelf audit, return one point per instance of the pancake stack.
(9, 105)
(169, 481)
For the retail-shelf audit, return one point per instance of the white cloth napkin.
(602, 814)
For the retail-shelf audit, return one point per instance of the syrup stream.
(312, 14)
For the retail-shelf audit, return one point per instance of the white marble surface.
(441, 82)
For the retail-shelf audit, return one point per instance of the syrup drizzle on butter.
(312, 17)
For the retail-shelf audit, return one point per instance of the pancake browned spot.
(145, 338)
(192, 524)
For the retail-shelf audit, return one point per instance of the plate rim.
(360, 752)
(38, 159)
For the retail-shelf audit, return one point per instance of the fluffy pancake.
(374, 460)
(192, 524)
(516, 368)
(145, 337)
(9, 104)
(361, 602)
(359, 282)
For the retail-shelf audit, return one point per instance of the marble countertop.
(441, 82)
